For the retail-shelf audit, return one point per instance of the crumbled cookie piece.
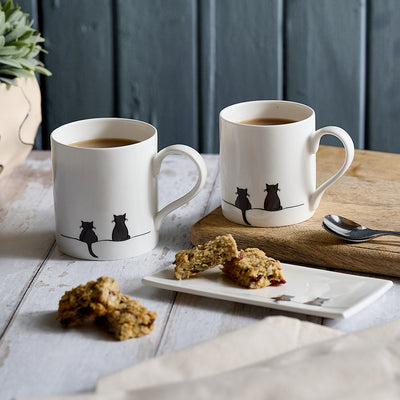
(204, 256)
(91, 300)
(129, 320)
(253, 269)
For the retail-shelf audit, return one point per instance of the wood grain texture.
(25, 237)
(383, 78)
(369, 193)
(325, 62)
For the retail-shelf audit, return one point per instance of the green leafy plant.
(19, 45)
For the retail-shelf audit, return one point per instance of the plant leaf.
(19, 44)
(26, 35)
(43, 70)
(13, 16)
(13, 51)
(17, 72)
(3, 25)
(2, 18)
(27, 63)
(16, 33)
(8, 5)
(10, 61)
(9, 50)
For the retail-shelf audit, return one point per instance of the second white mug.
(268, 162)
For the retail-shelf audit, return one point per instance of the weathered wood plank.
(383, 77)
(241, 58)
(79, 38)
(26, 229)
(157, 66)
(325, 61)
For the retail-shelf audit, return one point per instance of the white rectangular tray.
(307, 290)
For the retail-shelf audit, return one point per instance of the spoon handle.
(381, 233)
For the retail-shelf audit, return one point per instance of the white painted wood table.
(39, 357)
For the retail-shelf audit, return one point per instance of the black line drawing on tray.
(282, 297)
(318, 301)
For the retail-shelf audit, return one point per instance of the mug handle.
(348, 145)
(201, 179)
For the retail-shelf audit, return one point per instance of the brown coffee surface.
(267, 121)
(104, 142)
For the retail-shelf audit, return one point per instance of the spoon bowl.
(351, 231)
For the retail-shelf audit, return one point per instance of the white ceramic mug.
(268, 172)
(105, 199)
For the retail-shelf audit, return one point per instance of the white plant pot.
(20, 117)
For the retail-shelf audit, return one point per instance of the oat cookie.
(253, 269)
(128, 320)
(204, 256)
(91, 300)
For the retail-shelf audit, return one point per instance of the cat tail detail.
(89, 245)
(244, 217)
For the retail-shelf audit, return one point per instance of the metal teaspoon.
(350, 230)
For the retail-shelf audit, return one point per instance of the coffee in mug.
(268, 162)
(105, 187)
(104, 142)
(267, 121)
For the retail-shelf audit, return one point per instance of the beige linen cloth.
(276, 358)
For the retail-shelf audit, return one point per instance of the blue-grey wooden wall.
(177, 63)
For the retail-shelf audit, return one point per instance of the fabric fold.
(245, 346)
(357, 366)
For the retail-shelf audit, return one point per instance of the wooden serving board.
(368, 193)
